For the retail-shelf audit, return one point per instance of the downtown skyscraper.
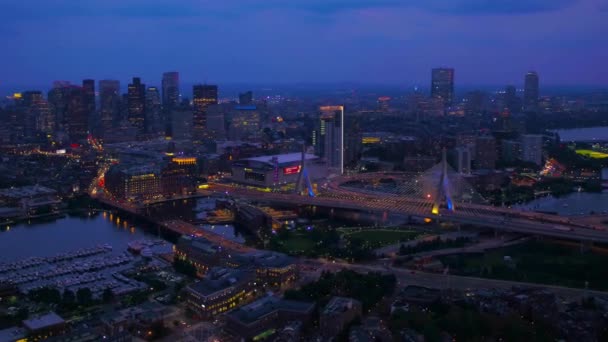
(203, 96)
(531, 92)
(88, 91)
(170, 90)
(442, 85)
(109, 104)
(137, 105)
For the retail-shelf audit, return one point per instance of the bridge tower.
(303, 176)
(443, 188)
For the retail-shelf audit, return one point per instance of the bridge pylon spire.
(303, 176)
(443, 188)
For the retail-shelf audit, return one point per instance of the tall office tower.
(216, 120)
(245, 123)
(153, 111)
(511, 101)
(485, 152)
(532, 148)
(180, 126)
(203, 96)
(531, 92)
(170, 90)
(109, 104)
(58, 103)
(137, 105)
(474, 102)
(442, 85)
(88, 89)
(332, 122)
(77, 119)
(246, 98)
(35, 110)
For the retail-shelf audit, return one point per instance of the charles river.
(69, 233)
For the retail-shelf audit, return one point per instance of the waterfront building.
(276, 170)
(201, 253)
(220, 290)
(133, 183)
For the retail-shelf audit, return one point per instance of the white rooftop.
(283, 158)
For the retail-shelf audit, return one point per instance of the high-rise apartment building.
(442, 85)
(531, 92)
(137, 105)
(204, 95)
(332, 125)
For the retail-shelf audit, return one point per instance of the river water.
(574, 204)
(66, 234)
(589, 134)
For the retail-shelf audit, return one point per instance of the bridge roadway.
(496, 218)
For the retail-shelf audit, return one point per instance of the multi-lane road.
(502, 219)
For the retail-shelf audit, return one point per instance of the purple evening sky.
(281, 41)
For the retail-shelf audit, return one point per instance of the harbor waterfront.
(74, 233)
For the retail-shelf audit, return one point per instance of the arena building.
(277, 170)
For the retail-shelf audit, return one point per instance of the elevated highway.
(502, 219)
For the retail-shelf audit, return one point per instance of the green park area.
(592, 154)
(382, 237)
(540, 262)
(348, 243)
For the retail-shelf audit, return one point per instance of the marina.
(97, 268)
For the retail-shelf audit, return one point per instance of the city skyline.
(385, 42)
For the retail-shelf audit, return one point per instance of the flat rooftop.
(339, 304)
(282, 159)
(262, 307)
(12, 334)
(26, 191)
(44, 321)
(218, 279)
